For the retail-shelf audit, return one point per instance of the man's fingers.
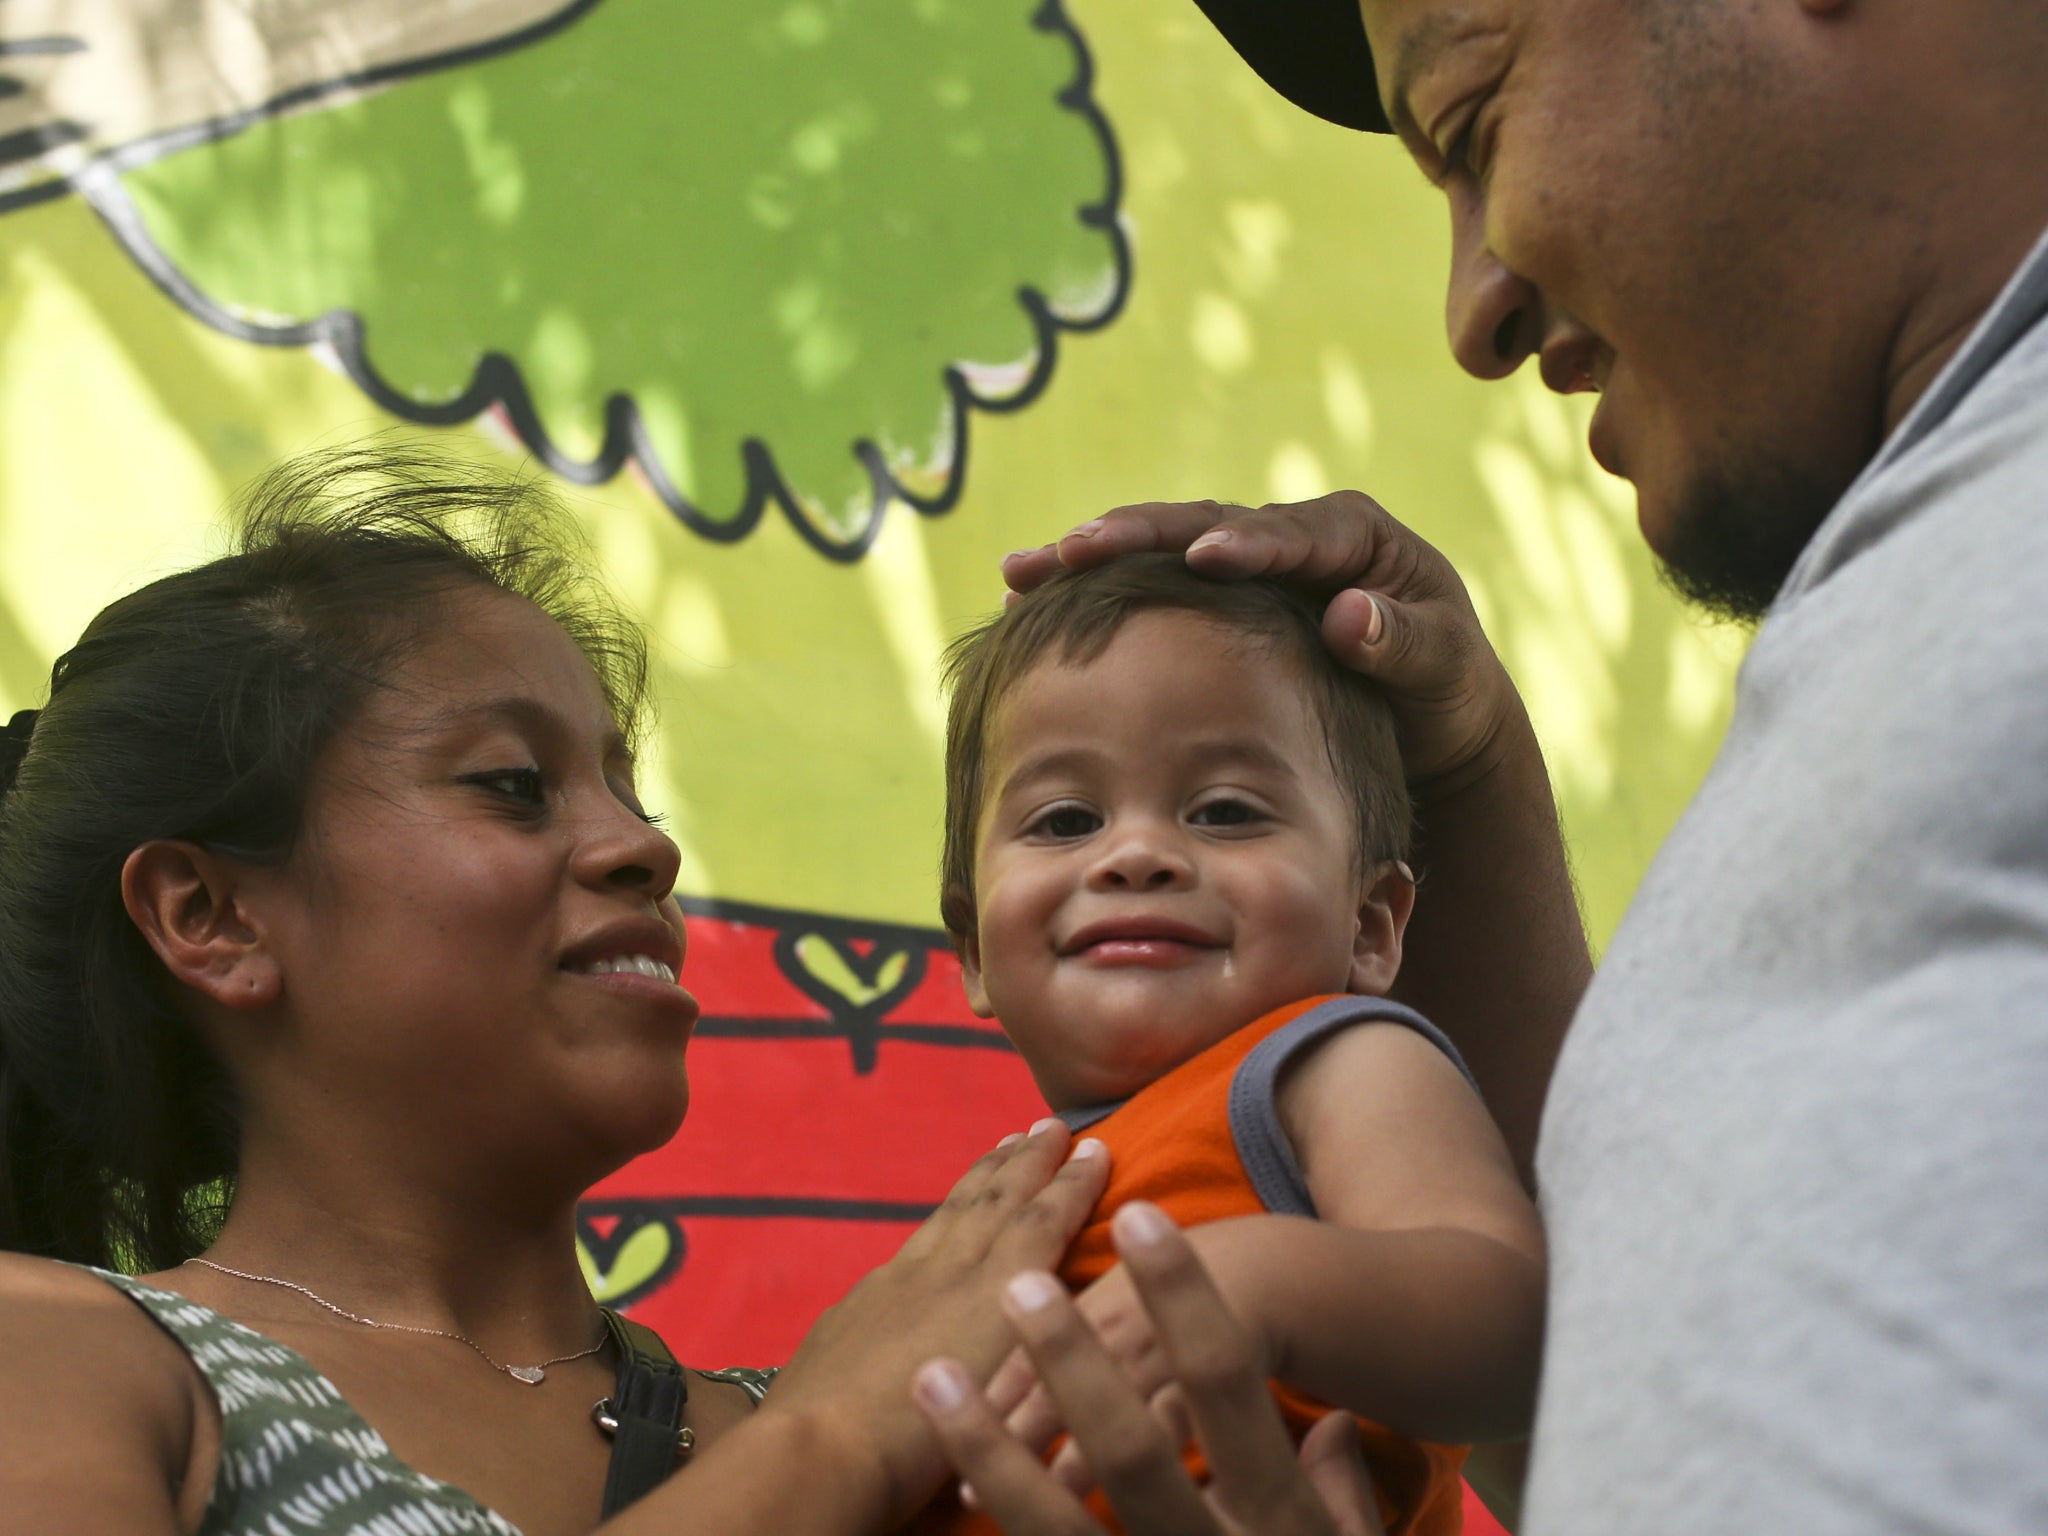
(1170, 1408)
(1024, 569)
(1071, 1470)
(1334, 1460)
(1036, 1420)
(1011, 1384)
(1009, 1482)
(1121, 531)
(1139, 528)
(1409, 646)
(1135, 1463)
(1321, 544)
(1217, 1365)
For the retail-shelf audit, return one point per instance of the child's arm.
(1417, 1298)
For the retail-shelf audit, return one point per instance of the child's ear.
(969, 945)
(1383, 910)
(191, 905)
(957, 912)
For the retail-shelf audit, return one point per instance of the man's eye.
(1225, 813)
(1063, 822)
(1457, 155)
(526, 785)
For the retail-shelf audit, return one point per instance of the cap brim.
(1313, 52)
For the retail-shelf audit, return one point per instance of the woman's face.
(462, 931)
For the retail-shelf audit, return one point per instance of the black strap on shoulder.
(647, 1407)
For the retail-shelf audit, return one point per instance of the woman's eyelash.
(528, 786)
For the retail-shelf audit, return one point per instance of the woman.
(337, 959)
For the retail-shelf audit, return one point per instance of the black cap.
(1313, 52)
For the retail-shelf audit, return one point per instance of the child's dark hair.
(196, 708)
(1072, 619)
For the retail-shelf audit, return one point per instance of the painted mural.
(765, 259)
(812, 308)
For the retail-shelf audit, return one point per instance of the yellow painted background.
(1283, 337)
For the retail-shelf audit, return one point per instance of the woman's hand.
(1258, 1487)
(1016, 1209)
(1397, 612)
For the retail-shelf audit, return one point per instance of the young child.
(1173, 867)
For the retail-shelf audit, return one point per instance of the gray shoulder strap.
(1262, 1144)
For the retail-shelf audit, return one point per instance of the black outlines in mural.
(497, 384)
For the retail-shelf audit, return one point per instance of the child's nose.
(1142, 860)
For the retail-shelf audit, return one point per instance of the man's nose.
(1494, 317)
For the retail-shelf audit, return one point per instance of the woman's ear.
(1383, 910)
(191, 905)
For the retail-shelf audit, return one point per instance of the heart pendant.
(532, 1375)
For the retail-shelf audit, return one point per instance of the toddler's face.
(1165, 854)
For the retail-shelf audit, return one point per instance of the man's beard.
(1737, 537)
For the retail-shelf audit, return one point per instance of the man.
(1795, 1157)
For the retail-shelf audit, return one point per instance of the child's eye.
(1065, 822)
(525, 785)
(1226, 813)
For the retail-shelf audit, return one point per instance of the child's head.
(1169, 811)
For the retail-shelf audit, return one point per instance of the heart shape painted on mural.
(854, 977)
(624, 1256)
(869, 982)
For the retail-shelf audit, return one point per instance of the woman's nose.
(1494, 317)
(628, 852)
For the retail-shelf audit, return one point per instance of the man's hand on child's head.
(1397, 610)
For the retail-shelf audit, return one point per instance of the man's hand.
(1397, 611)
(1258, 1483)
(1115, 1311)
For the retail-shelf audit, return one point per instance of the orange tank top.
(1204, 1143)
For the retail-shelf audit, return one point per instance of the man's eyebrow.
(1416, 53)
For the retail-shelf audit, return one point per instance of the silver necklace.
(532, 1375)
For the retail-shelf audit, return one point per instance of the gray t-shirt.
(1795, 1159)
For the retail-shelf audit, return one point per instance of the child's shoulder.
(1343, 1036)
(1352, 1062)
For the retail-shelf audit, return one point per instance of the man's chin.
(1732, 537)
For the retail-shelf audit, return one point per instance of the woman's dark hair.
(196, 708)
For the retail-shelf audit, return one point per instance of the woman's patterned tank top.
(295, 1457)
